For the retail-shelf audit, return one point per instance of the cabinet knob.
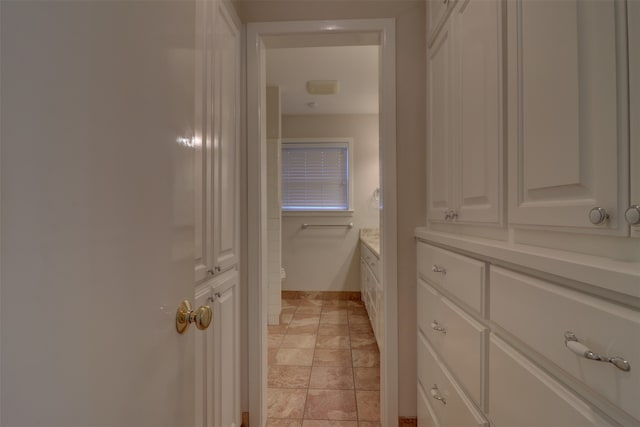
(435, 393)
(453, 214)
(438, 327)
(598, 215)
(211, 272)
(437, 269)
(632, 215)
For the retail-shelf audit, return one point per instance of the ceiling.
(355, 67)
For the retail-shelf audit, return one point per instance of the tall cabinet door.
(226, 144)
(633, 19)
(477, 91)
(568, 114)
(439, 136)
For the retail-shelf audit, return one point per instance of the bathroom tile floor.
(324, 366)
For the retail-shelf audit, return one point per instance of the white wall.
(410, 137)
(328, 259)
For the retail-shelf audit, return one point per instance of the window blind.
(315, 176)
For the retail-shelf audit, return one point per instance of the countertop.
(371, 238)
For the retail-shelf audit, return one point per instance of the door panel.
(227, 139)
(478, 95)
(568, 139)
(633, 20)
(97, 213)
(439, 125)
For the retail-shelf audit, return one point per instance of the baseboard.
(323, 295)
(407, 422)
(245, 419)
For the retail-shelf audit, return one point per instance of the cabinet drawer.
(455, 336)
(522, 395)
(463, 277)
(539, 313)
(370, 259)
(426, 417)
(456, 409)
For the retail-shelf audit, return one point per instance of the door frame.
(256, 232)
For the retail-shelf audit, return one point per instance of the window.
(316, 175)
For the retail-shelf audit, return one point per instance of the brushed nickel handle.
(632, 215)
(572, 343)
(185, 316)
(598, 215)
(438, 327)
(211, 272)
(437, 269)
(435, 393)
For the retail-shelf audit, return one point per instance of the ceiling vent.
(323, 87)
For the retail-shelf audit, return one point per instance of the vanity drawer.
(524, 396)
(539, 313)
(426, 417)
(450, 405)
(370, 259)
(456, 337)
(463, 277)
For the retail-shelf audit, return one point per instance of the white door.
(568, 123)
(440, 143)
(633, 20)
(477, 95)
(97, 213)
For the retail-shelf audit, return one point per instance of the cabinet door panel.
(226, 144)
(439, 125)
(478, 94)
(568, 134)
(633, 19)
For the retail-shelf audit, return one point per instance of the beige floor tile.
(332, 357)
(298, 341)
(305, 320)
(330, 405)
(274, 422)
(335, 318)
(355, 304)
(335, 330)
(289, 376)
(328, 341)
(309, 309)
(310, 302)
(286, 403)
(368, 424)
(358, 318)
(277, 329)
(290, 303)
(361, 328)
(275, 340)
(271, 355)
(304, 329)
(334, 378)
(285, 318)
(365, 358)
(367, 378)
(333, 309)
(368, 405)
(363, 342)
(294, 357)
(359, 311)
(328, 423)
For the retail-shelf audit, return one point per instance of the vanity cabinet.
(568, 136)
(465, 115)
(371, 290)
(518, 355)
(217, 140)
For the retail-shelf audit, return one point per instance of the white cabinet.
(437, 12)
(217, 140)
(568, 133)
(218, 355)
(464, 108)
(371, 289)
(633, 20)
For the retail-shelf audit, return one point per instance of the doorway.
(260, 37)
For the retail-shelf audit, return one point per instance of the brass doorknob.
(185, 316)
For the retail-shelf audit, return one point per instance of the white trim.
(256, 187)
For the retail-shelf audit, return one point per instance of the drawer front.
(455, 336)
(456, 409)
(426, 417)
(463, 277)
(371, 259)
(522, 395)
(539, 313)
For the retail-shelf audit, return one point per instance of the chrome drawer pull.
(437, 269)
(436, 394)
(571, 341)
(437, 327)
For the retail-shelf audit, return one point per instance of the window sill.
(319, 213)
